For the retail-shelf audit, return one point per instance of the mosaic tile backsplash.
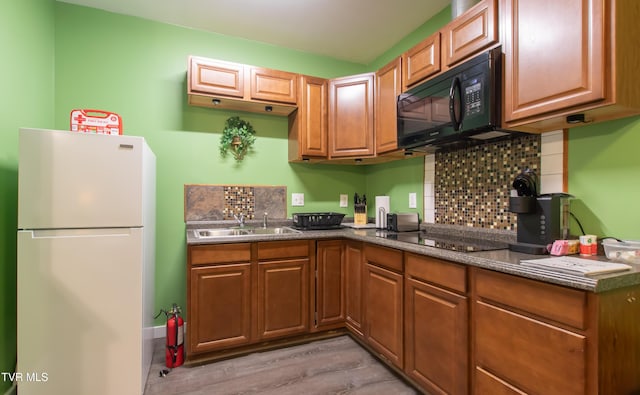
(472, 185)
(221, 202)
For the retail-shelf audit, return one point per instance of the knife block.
(360, 214)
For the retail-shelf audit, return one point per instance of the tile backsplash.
(471, 186)
(221, 202)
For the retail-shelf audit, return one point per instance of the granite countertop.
(504, 260)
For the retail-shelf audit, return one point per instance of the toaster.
(403, 222)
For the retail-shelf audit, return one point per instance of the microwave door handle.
(454, 91)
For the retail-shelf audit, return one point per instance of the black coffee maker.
(542, 219)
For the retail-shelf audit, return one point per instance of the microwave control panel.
(473, 98)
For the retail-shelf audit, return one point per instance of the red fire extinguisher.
(174, 355)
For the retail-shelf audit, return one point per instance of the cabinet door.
(354, 267)
(421, 61)
(308, 125)
(351, 116)
(530, 355)
(554, 55)
(219, 307)
(471, 32)
(436, 338)
(216, 77)
(273, 85)
(388, 87)
(383, 314)
(283, 298)
(329, 283)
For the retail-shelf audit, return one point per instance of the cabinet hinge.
(315, 318)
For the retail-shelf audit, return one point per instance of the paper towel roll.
(382, 209)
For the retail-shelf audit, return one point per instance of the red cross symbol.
(79, 118)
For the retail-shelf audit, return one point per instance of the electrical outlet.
(412, 200)
(344, 200)
(297, 199)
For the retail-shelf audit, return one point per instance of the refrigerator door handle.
(97, 232)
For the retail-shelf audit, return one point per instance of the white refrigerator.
(86, 256)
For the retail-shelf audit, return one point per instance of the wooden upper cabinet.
(569, 57)
(388, 87)
(232, 86)
(216, 77)
(421, 61)
(273, 85)
(471, 32)
(308, 125)
(351, 118)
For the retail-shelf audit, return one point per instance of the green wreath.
(237, 136)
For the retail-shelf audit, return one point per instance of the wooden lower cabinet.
(436, 325)
(354, 272)
(383, 302)
(242, 293)
(219, 294)
(531, 337)
(283, 298)
(329, 282)
(449, 328)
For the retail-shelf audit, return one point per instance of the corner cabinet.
(308, 125)
(351, 120)
(329, 282)
(388, 86)
(573, 57)
(232, 86)
(354, 274)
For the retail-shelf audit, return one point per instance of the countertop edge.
(504, 261)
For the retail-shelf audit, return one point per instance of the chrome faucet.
(240, 219)
(264, 220)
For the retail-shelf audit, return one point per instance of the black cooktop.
(445, 242)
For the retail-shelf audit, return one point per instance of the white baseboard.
(160, 331)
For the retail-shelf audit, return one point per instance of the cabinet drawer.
(531, 355)
(436, 271)
(283, 249)
(219, 253)
(564, 305)
(382, 256)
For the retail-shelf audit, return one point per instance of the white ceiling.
(352, 30)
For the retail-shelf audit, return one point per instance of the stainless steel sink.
(274, 231)
(206, 233)
(247, 231)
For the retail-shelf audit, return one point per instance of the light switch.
(344, 200)
(412, 200)
(297, 199)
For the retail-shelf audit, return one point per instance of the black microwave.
(460, 106)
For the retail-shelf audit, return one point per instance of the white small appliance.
(85, 271)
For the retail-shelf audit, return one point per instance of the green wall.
(604, 168)
(137, 68)
(26, 98)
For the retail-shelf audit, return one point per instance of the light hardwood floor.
(331, 366)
